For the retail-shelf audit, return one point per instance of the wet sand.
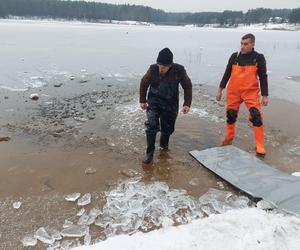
(97, 124)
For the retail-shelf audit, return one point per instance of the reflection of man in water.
(242, 70)
(162, 102)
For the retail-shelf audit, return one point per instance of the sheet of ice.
(248, 228)
(80, 212)
(204, 56)
(72, 197)
(67, 224)
(75, 231)
(85, 200)
(29, 241)
(44, 236)
(90, 170)
(17, 204)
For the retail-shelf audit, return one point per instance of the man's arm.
(186, 84)
(225, 78)
(144, 85)
(263, 78)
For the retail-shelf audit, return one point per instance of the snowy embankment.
(257, 26)
(248, 228)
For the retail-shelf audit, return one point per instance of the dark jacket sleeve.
(144, 85)
(262, 74)
(186, 84)
(227, 73)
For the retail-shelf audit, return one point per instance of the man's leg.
(152, 127)
(232, 110)
(167, 122)
(252, 102)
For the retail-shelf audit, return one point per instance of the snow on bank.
(256, 26)
(248, 228)
(272, 26)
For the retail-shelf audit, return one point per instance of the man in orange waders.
(243, 70)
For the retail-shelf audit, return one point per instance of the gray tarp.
(253, 176)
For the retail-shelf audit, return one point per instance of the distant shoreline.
(259, 26)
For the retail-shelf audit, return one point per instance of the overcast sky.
(206, 5)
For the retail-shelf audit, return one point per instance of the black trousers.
(160, 118)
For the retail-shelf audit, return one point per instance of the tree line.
(95, 11)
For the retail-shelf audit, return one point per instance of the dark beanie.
(165, 57)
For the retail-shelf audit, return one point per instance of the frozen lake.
(32, 52)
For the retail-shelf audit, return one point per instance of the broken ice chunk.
(94, 213)
(68, 244)
(87, 239)
(81, 212)
(55, 234)
(90, 170)
(72, 197)
(84, 200)
(42, 235)
(296, 174)
(100, 101)
(130, 173)
(67, 224)
(195, 182)
(75, 231)
(55, 246)
(17, 205)
(103, 222)
(220, 184)
(265, 205)
(83, 219)
(29, 241)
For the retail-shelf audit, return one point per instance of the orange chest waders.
(244, 87)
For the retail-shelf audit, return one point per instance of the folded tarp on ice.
(253, 176)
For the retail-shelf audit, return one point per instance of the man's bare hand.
(219, 94)
(143, 105)
(185, 109)
(264, 101)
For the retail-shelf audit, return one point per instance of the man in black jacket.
(162, 103)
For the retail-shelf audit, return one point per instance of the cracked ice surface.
(134, 205)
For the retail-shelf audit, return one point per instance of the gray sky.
(206, 5)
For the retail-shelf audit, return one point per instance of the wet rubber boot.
(164, 142)
(259, 138)
(148, 160)
(230, 134)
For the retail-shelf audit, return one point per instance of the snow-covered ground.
(248, 228)
(272, 26)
